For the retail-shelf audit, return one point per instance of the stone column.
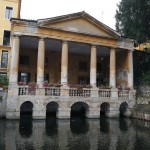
(93, 66)
(13, 78)
(40, 61)
(64, 63)
(112, 79)
(130, 64)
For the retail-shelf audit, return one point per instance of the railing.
(123, 93)
(23, 90)
(104, 93)
(79, 92)
(52, 91)
(72, 92)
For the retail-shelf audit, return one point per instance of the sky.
(103, 10)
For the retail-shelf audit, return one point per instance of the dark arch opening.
(79, 109)
(51, 109)
(26, 109)
(104, 111)
(123, 109)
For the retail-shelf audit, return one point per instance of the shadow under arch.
(79, 109)
(26, 109)
(123, 109)
(79, 125)
(105, 109)
(25, 126)
(51, 109)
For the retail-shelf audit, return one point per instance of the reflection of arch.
(52, 108)
(79, 109)
(26, 108)
(123, 109)
(104, 124)
(79, 126)
(25, 126)
(105, 107)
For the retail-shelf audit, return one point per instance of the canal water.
(74, 134)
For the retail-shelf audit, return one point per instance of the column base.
(64, 113)
(113, 114)
(12, 115)
(39, 114)
(93, 114)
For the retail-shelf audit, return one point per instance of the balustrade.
(79, 92)
(104, 93)
(123, 94)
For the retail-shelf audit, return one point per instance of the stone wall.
(3, 97)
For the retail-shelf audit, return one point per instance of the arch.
(123, 109)
(26, 108)
(51, 109)
(79, 109)
(104, 109)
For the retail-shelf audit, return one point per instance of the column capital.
(65, 41)
(41, 38)
(112, 47)
(93, 44)
(16, 35)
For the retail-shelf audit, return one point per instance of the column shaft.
(93, 66)
(64, 63)
(112, 80)
(40, 61)
(130, 64)
(14, 60)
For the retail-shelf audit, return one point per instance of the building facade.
(67, 52)
(8, 9)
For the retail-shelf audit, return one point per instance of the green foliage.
(4, 81)
(146, 78)
(141, 62)
(133, 19)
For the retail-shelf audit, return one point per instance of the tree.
(133, 19)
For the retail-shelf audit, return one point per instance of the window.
(24, 60)
(6, 38)
(3, 75)
(46, 62)
(83, 80)
(24, 77)
(4, 59)
(82, 66)
(46, 77)
(8, 12)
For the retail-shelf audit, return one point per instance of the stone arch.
(79, 109)
(124, 109)
(52, 108)
(105, 109)
(26, 108)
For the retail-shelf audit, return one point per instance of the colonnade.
(64, 63)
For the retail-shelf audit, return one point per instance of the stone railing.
(73, 92)
(104, 93)
(23, 90)
(52, 91)
(123, 94)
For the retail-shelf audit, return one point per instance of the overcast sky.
(103, 10)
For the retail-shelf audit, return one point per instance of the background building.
(8, 9)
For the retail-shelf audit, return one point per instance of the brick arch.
(72, 103)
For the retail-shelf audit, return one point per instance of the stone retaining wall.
(3, 97)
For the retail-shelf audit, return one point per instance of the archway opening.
(104, 111)
(51, 110)
(79, 109)
(26, 109)
(123, 109)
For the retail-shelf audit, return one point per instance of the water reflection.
(79, 125)
(25, 126)
(77, 133)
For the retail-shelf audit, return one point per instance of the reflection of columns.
(40, 61)
(93, 66)
(14, 60)
(112, 79)
(130, 64)
(64, 63)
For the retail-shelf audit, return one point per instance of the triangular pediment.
(79, 23)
